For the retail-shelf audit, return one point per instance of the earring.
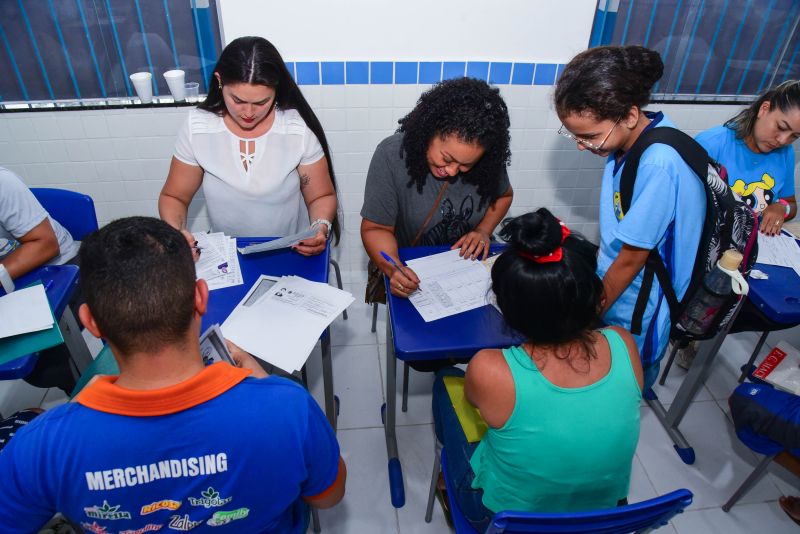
(220, 84)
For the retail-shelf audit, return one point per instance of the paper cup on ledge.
(175, 82)
(143, 83)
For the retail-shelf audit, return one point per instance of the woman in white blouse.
(258, 151)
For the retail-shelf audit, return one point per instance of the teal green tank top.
(562, 449)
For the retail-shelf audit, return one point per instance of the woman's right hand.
(403, 282)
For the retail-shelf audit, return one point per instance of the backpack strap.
(697, 158)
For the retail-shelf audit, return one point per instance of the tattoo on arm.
(304, 180)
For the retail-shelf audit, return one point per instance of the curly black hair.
(471, 110)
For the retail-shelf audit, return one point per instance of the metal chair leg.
(753, 356)
(404, 406)
(315, 520)
(675, 348)
(437, 468)
(338, 274)
(757, 473)
(374, 315)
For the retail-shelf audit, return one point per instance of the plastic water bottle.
(714, 292)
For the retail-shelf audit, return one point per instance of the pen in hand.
(396, 266)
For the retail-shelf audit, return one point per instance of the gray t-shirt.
(390, 201)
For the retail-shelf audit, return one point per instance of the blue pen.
(394, 263)
(48, 285)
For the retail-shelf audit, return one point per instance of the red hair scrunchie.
(554, 256)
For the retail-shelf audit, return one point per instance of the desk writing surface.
(778, 298)
(458, 336)
(221, 302)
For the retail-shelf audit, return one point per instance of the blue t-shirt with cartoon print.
(667, 212)
(760, 179)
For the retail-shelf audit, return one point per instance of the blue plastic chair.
(76, 213)
(640, 517)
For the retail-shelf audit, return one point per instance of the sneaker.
(684, 357)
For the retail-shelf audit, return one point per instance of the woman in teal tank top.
(562, 409)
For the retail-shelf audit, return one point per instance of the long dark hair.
(608, 81)
(553, 303)
(255, 60)
(784, 97)
(474, 112)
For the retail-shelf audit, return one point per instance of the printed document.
(780, 250)
(218, 263)
(281, 242)
(281, 319)
(449, 284)
(25, 310)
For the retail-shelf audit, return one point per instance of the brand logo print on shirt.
(94, 527)
(209, 499)
(177, 522)
(165, 504)
(106, 512)
(223, 518)
(147, 528)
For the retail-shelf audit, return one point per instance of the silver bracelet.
(326, 222)
(5, 279)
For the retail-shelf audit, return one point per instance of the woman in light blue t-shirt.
(755, 148)
(599, 99)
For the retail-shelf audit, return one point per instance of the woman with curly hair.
(258, 151)
(441, 179)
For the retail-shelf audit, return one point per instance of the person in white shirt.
(258, 151)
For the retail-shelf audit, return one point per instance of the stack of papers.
(218, 264)
(25, 310)
(779, 250)
(449, 284)
(277, 244)
(281, 319)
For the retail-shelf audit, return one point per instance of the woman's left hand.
(473, 245)
(311, 246)
(772, 219)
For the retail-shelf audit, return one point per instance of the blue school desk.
(221, 302)
(410, 338)
(778, 298)
(61, 282)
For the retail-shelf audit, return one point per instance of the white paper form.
(779, 250)
(25, 310)
(281, 242)
(231, 273)
(283, 325)
(218, 263)
(449, 285)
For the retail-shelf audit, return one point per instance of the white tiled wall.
(121, 157)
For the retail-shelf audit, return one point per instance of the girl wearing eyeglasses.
(755, 148)
(600, 99)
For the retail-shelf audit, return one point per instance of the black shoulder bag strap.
(697, 158)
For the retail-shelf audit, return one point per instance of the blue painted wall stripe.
(665, 53)
(119, 49)
(36, 49)
(688, 52)
(91, 49)
(778, 43)
(650, 24)
(13, 61)
(381, 72)
(357, 72)
(171, 36)
(430, 71)
(791, 62)
(153, 79)
(405, 72)
(711, 46)
(624, 38)
(478, 69)
(733, 48)
(64, 48)
(753, 48)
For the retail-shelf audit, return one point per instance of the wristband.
(326, 222)
(787, 208)
(5, 279)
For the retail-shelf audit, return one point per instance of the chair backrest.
(638, 517)
(74, 211)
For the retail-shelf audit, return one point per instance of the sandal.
(441, 496)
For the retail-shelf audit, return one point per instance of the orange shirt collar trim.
(105, 396)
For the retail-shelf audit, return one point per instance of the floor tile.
(415, 444)
(722, 461)
(742, 519)
(641, 487)
(733, 354)
(366, 506)
(667, 392)
(420, 387)
(355, 330)
(356, 381)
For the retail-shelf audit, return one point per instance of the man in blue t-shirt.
(169, 443)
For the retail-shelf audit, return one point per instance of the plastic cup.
(175, 83)
(192, 91)
(143, 83)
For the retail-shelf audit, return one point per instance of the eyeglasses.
(591, 146)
